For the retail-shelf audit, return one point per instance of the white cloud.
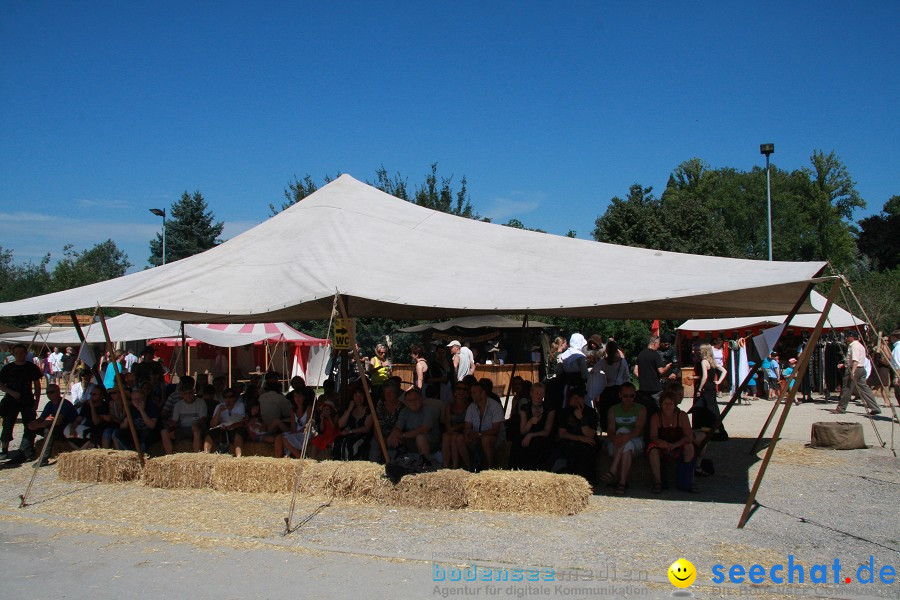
(514, 205)
(104, 203)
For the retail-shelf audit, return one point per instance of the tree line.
(702, 210)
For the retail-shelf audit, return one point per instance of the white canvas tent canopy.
(291, 266)
(838, 318)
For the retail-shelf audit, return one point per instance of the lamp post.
(161, 212)
(768, 149)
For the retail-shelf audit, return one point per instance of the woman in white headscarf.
(573, 364)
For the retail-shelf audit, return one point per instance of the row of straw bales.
(507, 491)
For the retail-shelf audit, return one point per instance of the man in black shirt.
(669, 356)
(20, 381)
(648, 368)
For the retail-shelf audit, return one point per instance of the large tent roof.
(838, 318)
(290, 267)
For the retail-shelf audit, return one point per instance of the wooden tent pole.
(185, 362)
(229, 366)
(796, 376)
(513, 372)
(121, 385)
(781, 393)
(365, 384)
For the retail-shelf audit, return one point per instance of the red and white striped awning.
(240, 334)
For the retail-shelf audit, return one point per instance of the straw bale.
(255, 474)
(527, 492)
(444, 489)
(256, 449)
(189, 470)
(99, 465)
(354, 480)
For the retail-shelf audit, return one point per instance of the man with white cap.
(463, 359)
(855, 377)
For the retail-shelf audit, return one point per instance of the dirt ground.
(815, 506)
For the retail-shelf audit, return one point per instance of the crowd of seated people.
(561, 425)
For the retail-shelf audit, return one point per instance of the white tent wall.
(273, 273)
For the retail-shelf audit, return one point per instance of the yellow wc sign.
(342, 331)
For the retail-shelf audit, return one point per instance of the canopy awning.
(838, 318)
(290, 267)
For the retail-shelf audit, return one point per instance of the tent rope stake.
(288, 528)
(798, 374)
(48, 439)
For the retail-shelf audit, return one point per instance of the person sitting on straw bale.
(291, 443)
(453, 444)
(93, 419)
(116, 417)
(322, 444)
(208, 398)
(416, 429)
(355, 429)
(80, 391)
(626, 425)
(274, 408)
(535, 430)
(41, 425)
(483, 428)
(227, 424)
(577, 431)
(185, 383)
(296, 383)
(188, 422)
(386, 411)
(145, 416)
(671, 439)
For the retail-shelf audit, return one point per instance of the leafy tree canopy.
(879, 236)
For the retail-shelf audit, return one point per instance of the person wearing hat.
(855, 377)
(463, 360)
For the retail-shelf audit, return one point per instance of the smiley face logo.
(682, 573)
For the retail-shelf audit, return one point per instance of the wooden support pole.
(365, 384)
(120, 383)
(229, 366)
(513, 372)
(185, 363)
(796, 376)
(782, 393)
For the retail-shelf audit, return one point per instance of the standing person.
(463, 360)
(649, 368)
(109, 378)
(616, 369)
(772, 373)
(130, 359)
(68, 365)
(669, 356)
(420, 366)
(573, 364)
(895, 359)
(855, 377)
(379, 366)
(706, 409)
(56, 366)
(718, 351)
(20, 381)
(437, 380)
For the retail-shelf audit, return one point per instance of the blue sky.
(548, 108)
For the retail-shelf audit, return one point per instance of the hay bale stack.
(527, 492)
(191, 470)
(444, 489)
(255, 474)
(354, 480)
(98, 465)
(256, 449)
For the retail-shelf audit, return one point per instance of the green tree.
(879, 293)
(634, 221)
(104, 261)
(443, 198)
(190, 229)
(517, 224)
(22, 281)
(878, 236)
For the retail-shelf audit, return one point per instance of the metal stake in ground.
(802, 365)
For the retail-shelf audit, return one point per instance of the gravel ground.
(816, 505)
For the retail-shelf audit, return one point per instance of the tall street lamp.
(768, 149)
(161, 212)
